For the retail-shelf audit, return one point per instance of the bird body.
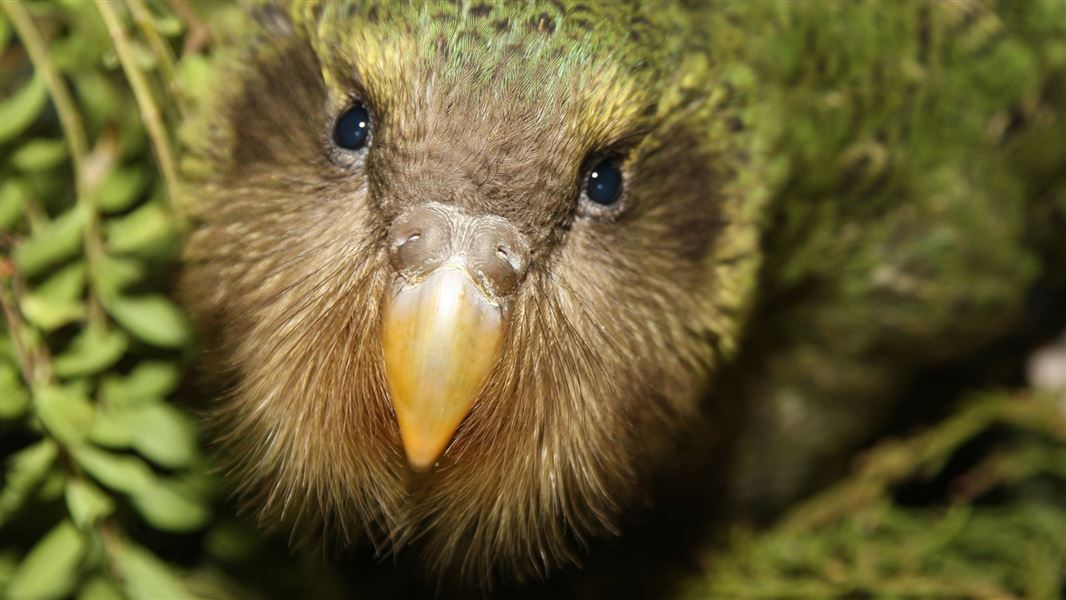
(763, 215)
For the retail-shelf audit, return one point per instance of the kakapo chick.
(472, 268)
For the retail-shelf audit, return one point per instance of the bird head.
(470, 266)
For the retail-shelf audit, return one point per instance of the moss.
(988, 525)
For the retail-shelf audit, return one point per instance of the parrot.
(476, 274)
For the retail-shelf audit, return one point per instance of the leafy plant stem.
(73, 130)
(26, 363)
(69, 117)
(150, 114)
(143, 18)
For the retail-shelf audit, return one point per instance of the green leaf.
(30, 337)
(146, 577)
(13, 395)
(49, 314)
(50, 569)
(69, 9)
(159, 431)
(149, 380)
(7, 347)
(8, 558)
(120, 189)
(5, 30)
(124, 473)
(194, 72)
(132, 139)
(87, 503)
(115, 273)
(67, 284)
(165, 505)
(99, 587)
(153, 319)
(101, 100)
(20, 110)
(68, 54)
(143, 56)
(51, 488)
(12, 199)
(163, 434)
(39, 155)
(168, 25)
(66, 414)
(92, 351)
(80, 386)
(230, 541)
(26, 469)
(110, 428)
(57, 241)
(144, 232)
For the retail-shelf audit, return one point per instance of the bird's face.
(472, 266)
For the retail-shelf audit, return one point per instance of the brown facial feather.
(609, 344)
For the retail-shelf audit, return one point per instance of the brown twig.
(199, 36)
(26, 363)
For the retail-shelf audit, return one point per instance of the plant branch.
(199, 36)
(73, 126)
(150, 115)
(27, 363)
(143, 17)
(69, 117)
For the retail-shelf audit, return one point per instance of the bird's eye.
(352, 129)
(604, 183)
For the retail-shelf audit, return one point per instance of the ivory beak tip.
(422, 456)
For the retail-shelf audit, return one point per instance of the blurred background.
(108, 485)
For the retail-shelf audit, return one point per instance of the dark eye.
(604, 183)
(353, 128)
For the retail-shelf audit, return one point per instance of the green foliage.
(103, 465)
(25, 470)
(21, 108)
(996, 532)
(50, 569)
(96, 446)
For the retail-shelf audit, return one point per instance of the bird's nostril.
(425, 238)
(508, 256)
(400, 243)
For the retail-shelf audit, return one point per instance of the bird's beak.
(441, 338)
